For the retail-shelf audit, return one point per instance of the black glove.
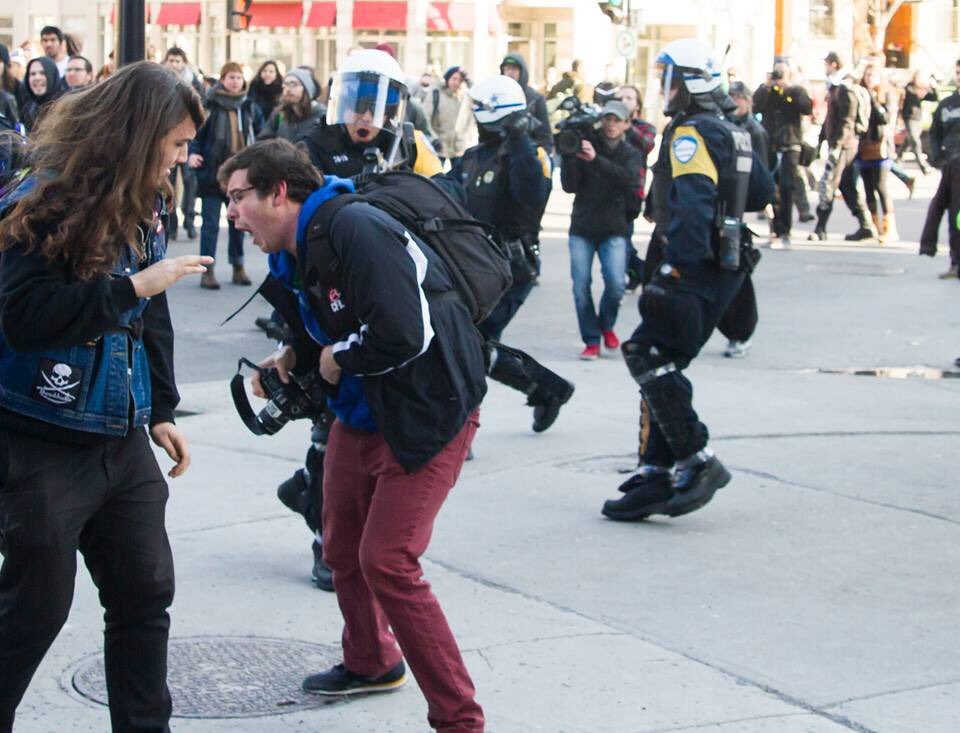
(518, 123)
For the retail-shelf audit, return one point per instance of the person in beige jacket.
(448, 108)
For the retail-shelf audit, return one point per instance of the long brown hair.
(95, 156)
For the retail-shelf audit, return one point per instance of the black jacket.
(74, 312)
(910, 109)
(390, 306)
(213, 137)
(604, 188)
(536, 103)
(782, 109)
(945, 130)
(32, 104)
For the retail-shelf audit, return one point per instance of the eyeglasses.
(292, 85)
(236, 196)
(79, 70)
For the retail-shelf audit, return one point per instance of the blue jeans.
(613, 265)
(210, 228)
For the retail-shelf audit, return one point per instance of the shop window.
(823, 18)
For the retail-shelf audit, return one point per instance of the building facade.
(433, 34)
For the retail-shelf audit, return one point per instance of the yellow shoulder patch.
(689, 154)
(427, 163)
(544, 162)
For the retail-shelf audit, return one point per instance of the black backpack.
(479, 266)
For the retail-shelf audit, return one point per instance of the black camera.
(578, 126)
(776, 75)
(303, 397)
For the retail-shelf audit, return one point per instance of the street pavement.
(817, 593)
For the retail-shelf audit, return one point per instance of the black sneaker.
(545, 413)
(694, 486)
(861, 235)
(339, 680)
(645, 493)
(272, 328)
(321, 574)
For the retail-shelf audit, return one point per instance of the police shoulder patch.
(684, 148)
(689, 154)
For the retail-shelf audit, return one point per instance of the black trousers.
(678, 326)
(789, 161)
(108, 502)
(739, 320)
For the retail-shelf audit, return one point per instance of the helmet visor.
(666, 84)
(367, 98)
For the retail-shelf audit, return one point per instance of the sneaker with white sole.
(338, 680)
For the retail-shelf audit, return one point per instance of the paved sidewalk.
(818, 593)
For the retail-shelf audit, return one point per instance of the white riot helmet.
(495, 99)
(369, 81)
(690, 67)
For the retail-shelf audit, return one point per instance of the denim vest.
(88, 387)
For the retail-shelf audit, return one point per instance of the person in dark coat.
(232, 123)
(514, 65)
(40, 87)
(266, 88)
(9, 108)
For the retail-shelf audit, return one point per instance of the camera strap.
(242, 402)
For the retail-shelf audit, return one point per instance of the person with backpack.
(388, 329)
(848, 117)
(507, 183)
(449, 111)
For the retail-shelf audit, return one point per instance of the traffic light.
(238, 17)
(613, 9)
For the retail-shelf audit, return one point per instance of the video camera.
(579, 125)
(303, 397)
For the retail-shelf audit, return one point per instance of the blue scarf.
(350, 405)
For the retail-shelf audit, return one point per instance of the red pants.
(377, 522)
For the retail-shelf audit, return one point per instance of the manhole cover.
(856, 268)
(911, 372)
(228, 677)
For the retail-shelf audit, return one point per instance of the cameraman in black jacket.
(782, 106)
(603, 176)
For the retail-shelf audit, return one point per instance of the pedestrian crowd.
(401, 222)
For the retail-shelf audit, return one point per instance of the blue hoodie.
(350, 405)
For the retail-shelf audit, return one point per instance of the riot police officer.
(507, 183)
(704, 265)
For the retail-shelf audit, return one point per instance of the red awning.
(179, 14)
(276, 14)
(384, 16)
(450, 17)
(322, 15)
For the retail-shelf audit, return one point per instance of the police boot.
(322, 575)
(695, 482)
(646, 492)
(546, 390)
(820, 230)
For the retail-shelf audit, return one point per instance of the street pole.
(131, 32)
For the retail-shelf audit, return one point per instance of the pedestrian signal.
(238, 16)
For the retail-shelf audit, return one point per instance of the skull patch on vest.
(57, 383)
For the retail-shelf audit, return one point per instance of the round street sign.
(627, 43)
